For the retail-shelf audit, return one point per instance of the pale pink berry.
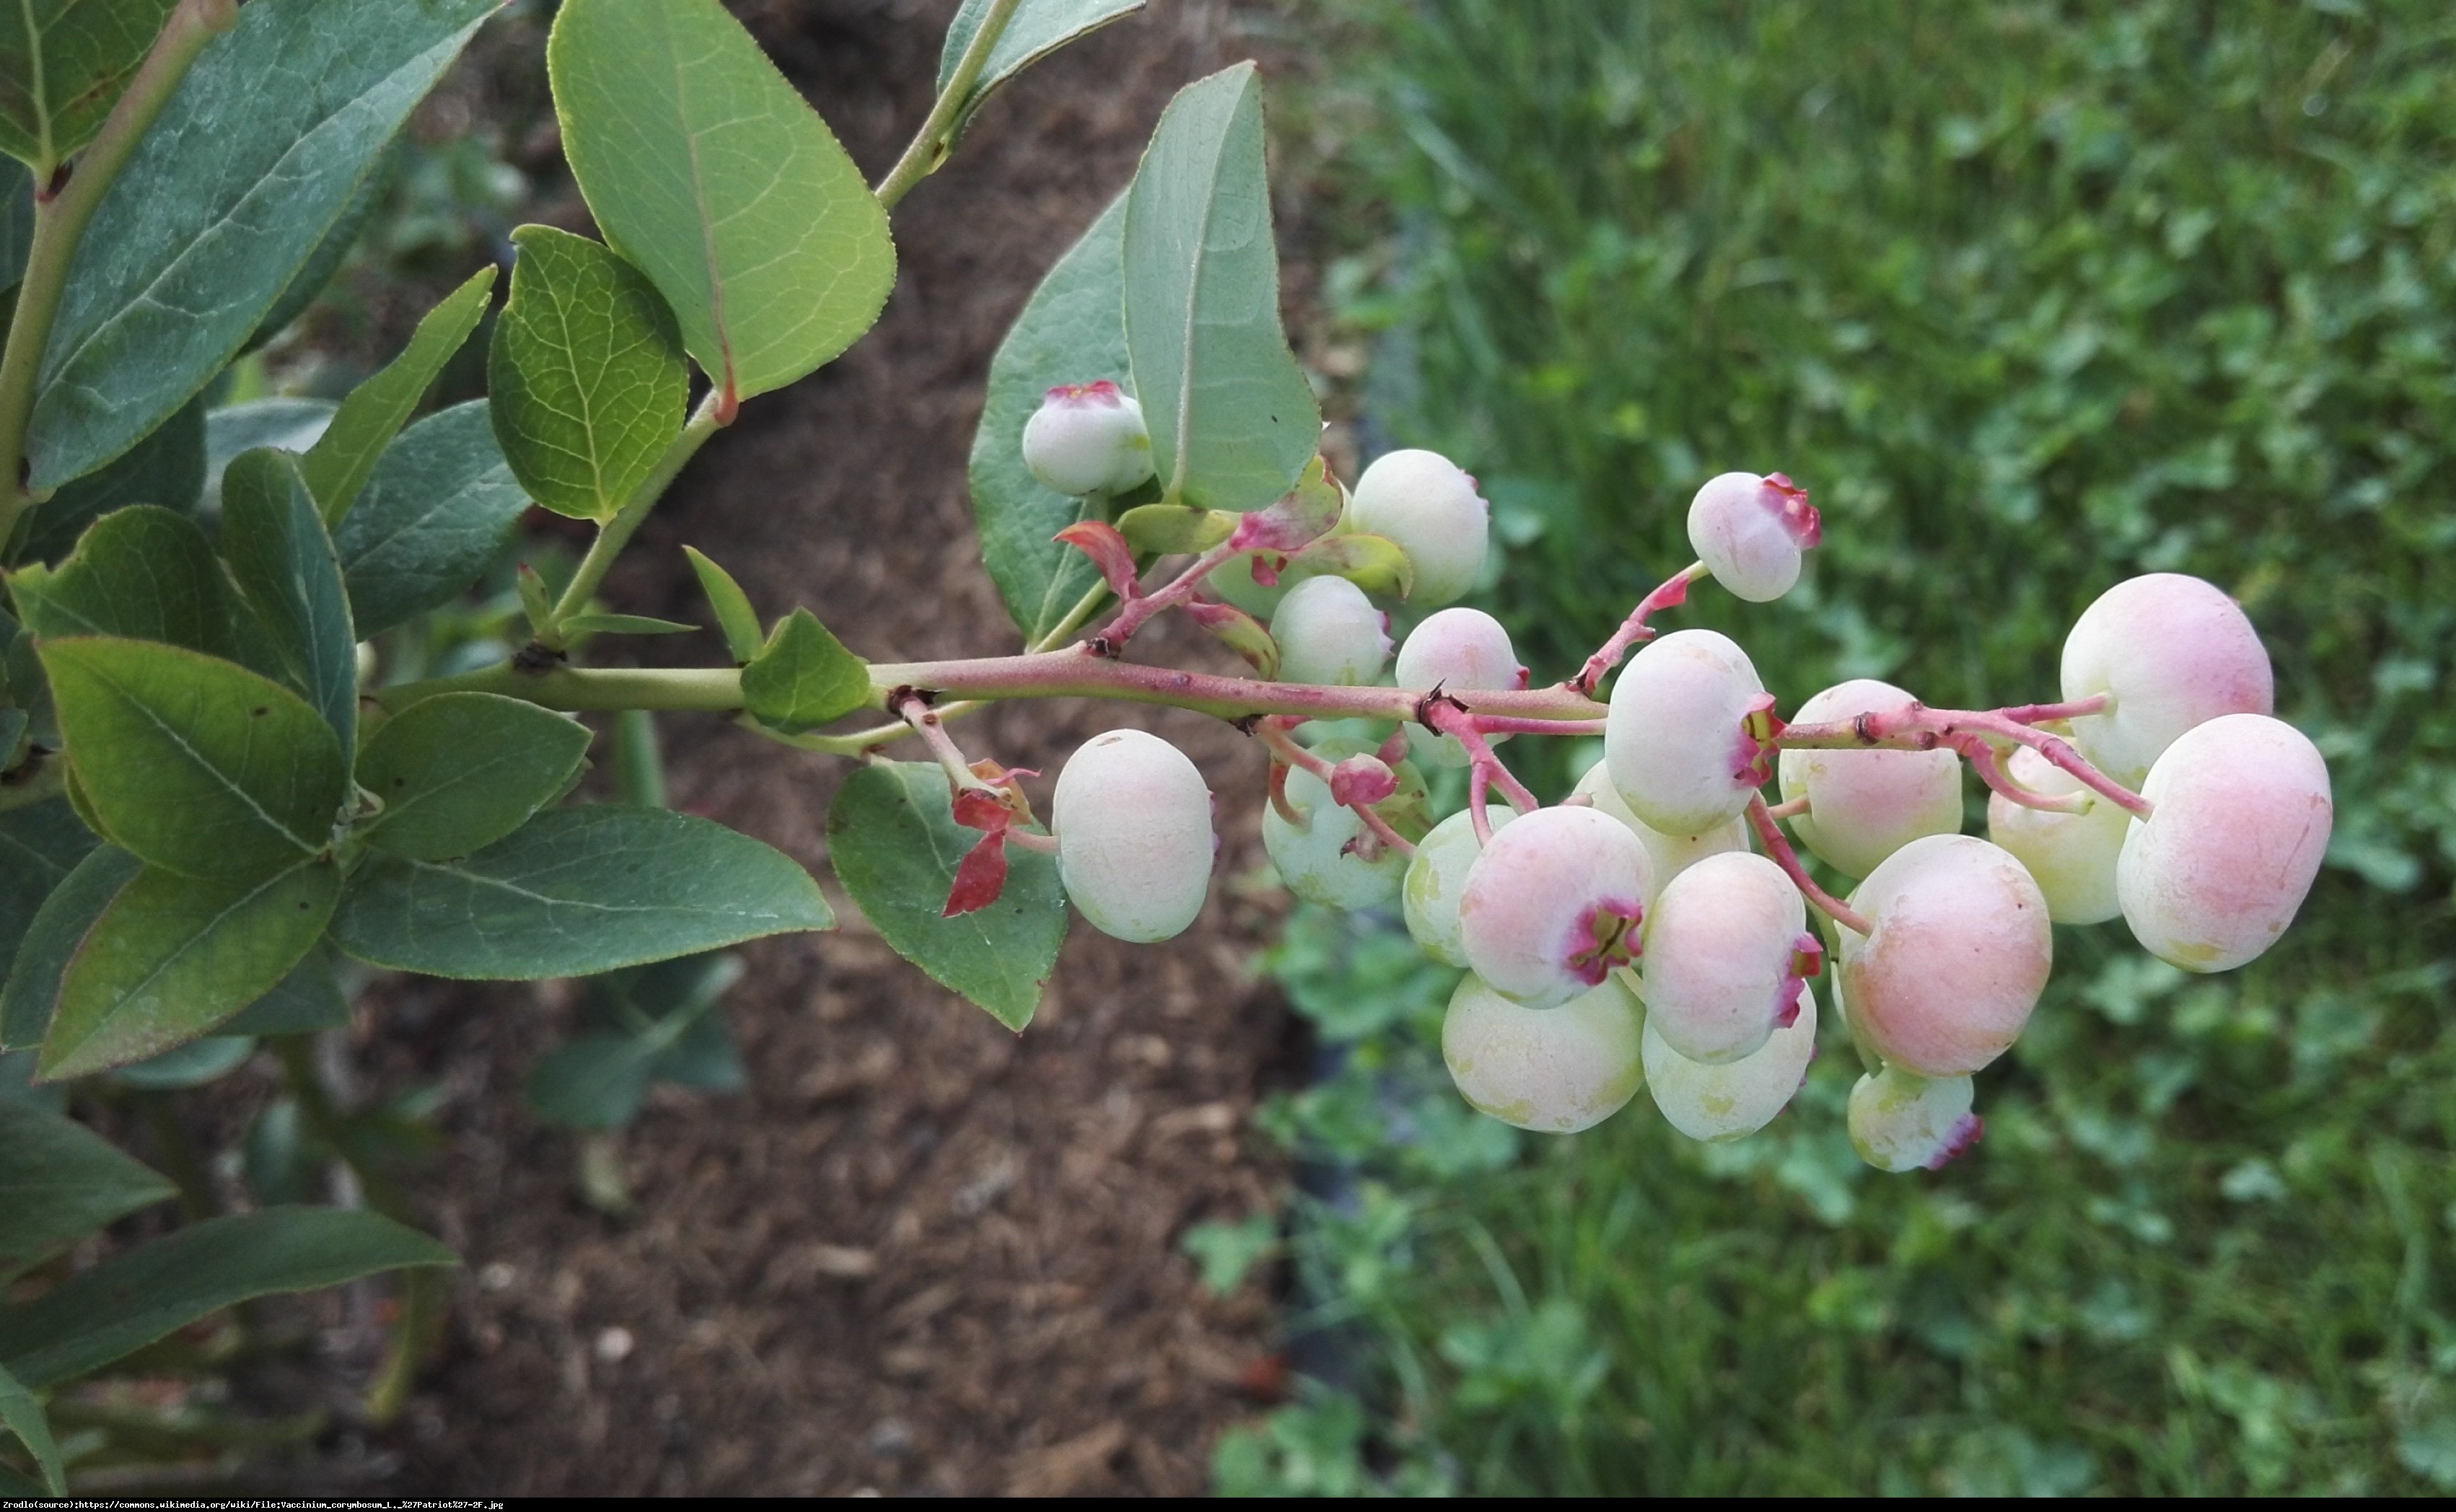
(1685, 739)
(1087, 438)
(1427, 507)
(1750, 530)
(1553, 1071)
(1553, 903)
(1864, 804)
(1726, 950)
(1133, 821)
(1328, 631)
(1901, 1122)
(2171, 652)
(1456, 649)
(1959, 951)
(1735, 1099)
(2071, 856)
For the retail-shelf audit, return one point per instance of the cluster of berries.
(1653, 930)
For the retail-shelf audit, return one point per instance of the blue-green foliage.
(2033, 298)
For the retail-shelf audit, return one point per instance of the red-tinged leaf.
(1109, 552)
(980, 877)
(981, 809)
(1242, 632)
(1302, 516)
(1267, 569)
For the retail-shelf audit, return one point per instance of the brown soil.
(919, 1253)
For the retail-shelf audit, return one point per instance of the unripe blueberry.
(1670, 854)
(1328, 631)
(1455, 649)
(1959, 951)
(1864, 804)
(1750, 530)
(1437, 877)
(1726, 950)
(1087, 438)
(2071, 856)
(1901, 1122)
(1421, 501)
(2241, 818)
(1678, 741)
(1133, 820)
(1553, 1071)
(1330, 857)
(1553, 903)
(1718, 1103)
(2172, 652)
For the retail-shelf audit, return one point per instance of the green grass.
(2033, 298)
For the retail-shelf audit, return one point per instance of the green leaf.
(135, 1298)
(292, 425)
(285, 565)
(174, 957)
(433, 518)
(16, 221)
(250, 165)
(585, 375)
(707, 172)
(459, 771)
(182, 1067)
(307, 1000)
(594, 1081)
(141, 573)
(24, 1417)
(804, 677)
(337, 466)
(648, 1016)
(327, 259)
(577, 891)
(166, 468)
(1232, 418)
(894, 843)
(62, 66)
(40, 844)
(1167, 530)
(1375, 563)
(625, 624)
(195, 765)
(1037, 29)
(52, 940)
(1074, 331)
(1227, 1250)
(60, 1181)
(734, 616)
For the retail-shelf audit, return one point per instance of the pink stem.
(1991, 771)
(1479, 781)
(1509, 725)
(1670, 591)
(1778, 847)
(1919, 728)
(1274, 734)
(1045, 844)
(1449, 720)
(1790, 809)
(2041, 714)
(933, 731)
(1131, 617)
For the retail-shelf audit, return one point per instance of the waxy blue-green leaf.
(40, 844)
(195, 765)
(624, 625)
(577, 891)
(307, 1000)
(293, 424)
(327, 259)
(166, 468)
(137, 1296)
(1232, 421)
(1074, 331)
(436, 514)
(274, 539)
(708, 173)
(174, 957)
(650, 1028)
(1036, 29)
(336, 466)
(52, 940)
(142, 573)
(1164, 530)
(63, 64)
(585, 375)
(23, 1416)
(59, 1181)
(250, 165)
(192, 1064)
(459, 771)
(804, 677)
(735, 619)
(16, 220)
(894, 843)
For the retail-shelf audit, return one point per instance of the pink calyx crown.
(1100, 391)
(1790, 504)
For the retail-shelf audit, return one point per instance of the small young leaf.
(253, 161)
(40, 844)
(184, 1067)
(594, 1081)
(734, 616)
(894, 839)
(804, 677)
(172, 957)
(585, 375)
(625, 624)
(62, 66)
(537, 599)
(1374, 563)
(58, 928)
(1072, 332)
(459, 771)
(1036, 29)
(709, 174)
(433, 517)
(23, 1416)
(293, 424)
(337, 467)
(142, 573)
(166, 468)
(284, 564)
(1232, 418)
(307, 1000)
(59, 1181)
(1167, 530)
(195, 765)
(140, 1295)
(1241, 633)
(576, 892)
